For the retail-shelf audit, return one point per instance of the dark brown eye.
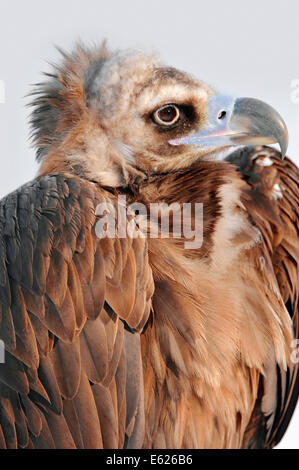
(167, 115)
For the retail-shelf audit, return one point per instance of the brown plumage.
(140, 342)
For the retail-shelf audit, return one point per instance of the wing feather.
(273, 204)
(66, 297)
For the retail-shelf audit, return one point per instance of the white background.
(245, 48)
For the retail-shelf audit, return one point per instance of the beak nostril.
(221, 114)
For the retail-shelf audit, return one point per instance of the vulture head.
(116, 118)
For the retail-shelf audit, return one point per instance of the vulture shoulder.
(272, 201)
(72, 306)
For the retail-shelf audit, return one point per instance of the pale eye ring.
(167, 115)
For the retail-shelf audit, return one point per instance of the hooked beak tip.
(262, 123)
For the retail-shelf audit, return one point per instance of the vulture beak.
(238, 121)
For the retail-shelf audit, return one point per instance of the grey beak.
(239, 121)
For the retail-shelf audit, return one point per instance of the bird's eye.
(167, 115)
